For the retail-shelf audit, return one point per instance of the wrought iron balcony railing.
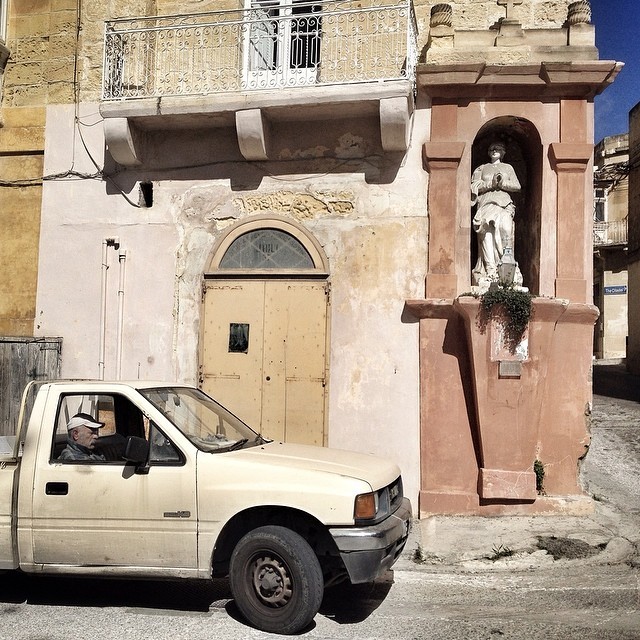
(271, 45)
(610, 233)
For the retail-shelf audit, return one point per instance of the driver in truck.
(82, 433)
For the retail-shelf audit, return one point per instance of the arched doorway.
(264, 328)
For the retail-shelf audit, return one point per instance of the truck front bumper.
(367, 552)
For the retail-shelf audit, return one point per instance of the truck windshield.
(208, 425)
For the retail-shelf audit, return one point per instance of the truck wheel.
(276, 580)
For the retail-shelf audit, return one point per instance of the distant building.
(611, 196)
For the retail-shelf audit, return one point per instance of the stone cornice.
(517, 81)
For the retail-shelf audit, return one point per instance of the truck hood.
(376, 471)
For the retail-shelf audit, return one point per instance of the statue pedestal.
(503, 411)
(508, 391)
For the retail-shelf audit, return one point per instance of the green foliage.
(501, 551)
(510, 306)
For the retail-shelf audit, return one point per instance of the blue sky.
(617, 38)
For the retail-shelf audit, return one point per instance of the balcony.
(610, 233)
(278, 59)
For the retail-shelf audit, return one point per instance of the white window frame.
(268, 46)
(4, 13)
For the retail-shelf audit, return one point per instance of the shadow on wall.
(347, 146)
(613, 381)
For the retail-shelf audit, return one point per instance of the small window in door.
(238, 337)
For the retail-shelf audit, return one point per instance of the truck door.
(101, 513)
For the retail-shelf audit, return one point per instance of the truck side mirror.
(136, 451)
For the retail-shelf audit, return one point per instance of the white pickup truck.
(175, 486)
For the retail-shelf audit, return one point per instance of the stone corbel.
(252, 129)
(122, 141)
(395, 115)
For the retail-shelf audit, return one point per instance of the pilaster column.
(573, 223)
(442, 160)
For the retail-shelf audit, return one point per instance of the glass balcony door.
(282, 46)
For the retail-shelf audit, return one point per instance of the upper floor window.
(282, 43)
(600, 205)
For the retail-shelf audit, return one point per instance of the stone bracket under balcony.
(251, 113)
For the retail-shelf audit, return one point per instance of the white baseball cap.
(83, 420)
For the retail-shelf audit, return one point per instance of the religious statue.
(491, 184)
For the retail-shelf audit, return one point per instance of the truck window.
(121, 419)
(162, 450)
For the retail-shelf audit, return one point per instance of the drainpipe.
(122, 258)
(106, 243)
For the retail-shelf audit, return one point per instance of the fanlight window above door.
(282, 46)
(266, 249)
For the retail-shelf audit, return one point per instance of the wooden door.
(264, 354)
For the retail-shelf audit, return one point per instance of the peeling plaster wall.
(372, 227)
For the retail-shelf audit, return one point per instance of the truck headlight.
(373, 507)
(366, 506)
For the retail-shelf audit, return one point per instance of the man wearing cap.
(82, 433)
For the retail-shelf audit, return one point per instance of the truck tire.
(276, 580)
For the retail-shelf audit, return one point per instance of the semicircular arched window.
(266, 249)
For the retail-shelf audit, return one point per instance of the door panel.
(278, 386)
(234, 377)
(298, 347)
(100, 514)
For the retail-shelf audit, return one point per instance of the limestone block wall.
(21, 142)
(45, 59)
(39, 70)
(479, 14)
(614, 314)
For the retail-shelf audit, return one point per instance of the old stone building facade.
(274, 203)
(610, 223)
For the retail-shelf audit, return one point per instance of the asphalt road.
(598, 603)
(557, 600)
(612, 468)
